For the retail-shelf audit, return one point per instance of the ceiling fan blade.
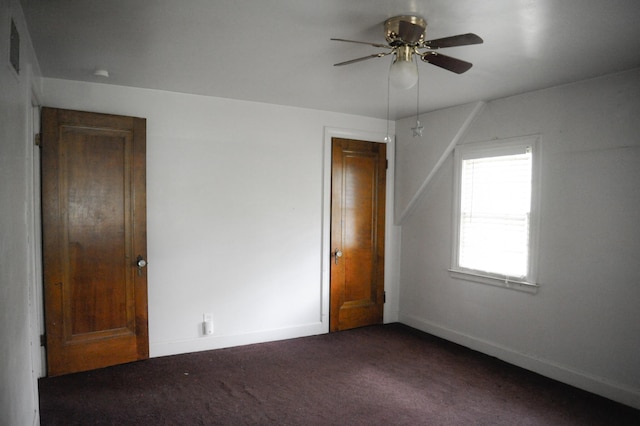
(384, 46)
(364, 58)
(447, 62)
(453, 41)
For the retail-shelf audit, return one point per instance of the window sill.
(509, 283)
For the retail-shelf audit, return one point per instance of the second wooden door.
(358, 187)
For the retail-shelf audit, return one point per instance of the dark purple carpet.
(382, 375)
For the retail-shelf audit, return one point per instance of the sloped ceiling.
(278, 51)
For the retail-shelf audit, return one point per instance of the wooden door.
(358, 187)
(94, 234)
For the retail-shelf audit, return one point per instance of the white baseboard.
(205, 343)
(598, 385)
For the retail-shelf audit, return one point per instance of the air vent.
(14, 48)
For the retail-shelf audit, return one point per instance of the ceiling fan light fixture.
(403, 73)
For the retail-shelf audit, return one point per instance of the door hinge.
(384, 297)
(37, 139)
(43, 340)
(386, 164)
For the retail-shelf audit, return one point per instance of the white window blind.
(495, 211)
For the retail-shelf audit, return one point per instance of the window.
(495, 213)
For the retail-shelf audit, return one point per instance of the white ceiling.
(279, 52)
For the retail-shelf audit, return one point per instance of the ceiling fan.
(405, 36)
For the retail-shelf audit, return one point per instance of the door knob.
(140, 263)
(337, 254)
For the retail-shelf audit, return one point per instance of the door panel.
(94, 228)
(357, 233)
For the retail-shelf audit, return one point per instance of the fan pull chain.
(417, 131)
(387, 138)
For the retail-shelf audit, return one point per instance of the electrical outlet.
(207, 324)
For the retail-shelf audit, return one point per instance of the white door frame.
(392, 232)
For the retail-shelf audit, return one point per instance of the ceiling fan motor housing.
(405, 30)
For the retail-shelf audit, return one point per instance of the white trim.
(37, 316)
(333, 132)
(565, 374)
(506, 282)
(198, 344)
(477, 109)
(486, 149)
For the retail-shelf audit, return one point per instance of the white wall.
(235, 204)
(420, 157)
(19, 353)
(583, 326)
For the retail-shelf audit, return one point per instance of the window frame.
(495, 148)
